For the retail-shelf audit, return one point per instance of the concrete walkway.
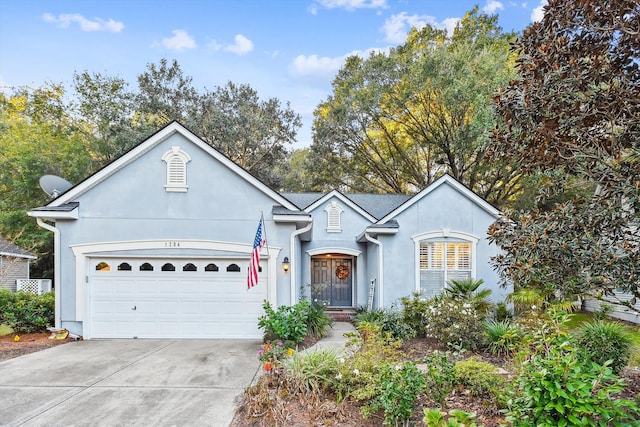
(336, 338)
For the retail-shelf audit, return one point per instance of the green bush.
(466, 290)
(480, 378)
(288, 323)
(314, 370)
(439, 377)
(372, 348)
(435, 417)
(398, 388)
(414, 309)
(601, 340)
(502, 312)
(503, 337)
(554, 387)
(25, 312)
(454, 323)
(390, 320)
(318, 323)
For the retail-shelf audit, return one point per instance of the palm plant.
(467, 290)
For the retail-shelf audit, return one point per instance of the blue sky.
(287, 49)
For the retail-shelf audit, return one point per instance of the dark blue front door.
(331, 281)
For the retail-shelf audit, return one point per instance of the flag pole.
(264, 230)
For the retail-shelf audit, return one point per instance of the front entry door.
(331, 281)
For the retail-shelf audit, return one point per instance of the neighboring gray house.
(157, 244)
(14, 264)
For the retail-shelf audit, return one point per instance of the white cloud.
(180, 40)
(350, 4)
(314, 66)
(492, 6)
(97, 24)
(242, 45)
(398, 26)
(538, 13)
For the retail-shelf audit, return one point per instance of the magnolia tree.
(571, 119)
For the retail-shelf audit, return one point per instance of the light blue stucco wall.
(443, 208)
(132, 204)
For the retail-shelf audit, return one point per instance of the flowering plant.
(272, 355)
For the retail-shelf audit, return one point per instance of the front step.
(341, 314)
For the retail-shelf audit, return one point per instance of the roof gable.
(146, 145)
(444, 180)
(344, 199)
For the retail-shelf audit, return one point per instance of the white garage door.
(173, 298)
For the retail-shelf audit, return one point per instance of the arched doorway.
(332, 279)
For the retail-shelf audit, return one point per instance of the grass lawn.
(577, 319)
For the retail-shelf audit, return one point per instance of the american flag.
(254, 264)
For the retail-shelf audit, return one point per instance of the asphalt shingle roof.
(378, 205)
(8, 248)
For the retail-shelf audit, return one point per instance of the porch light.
(285, 264)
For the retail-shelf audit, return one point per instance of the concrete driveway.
(128, 383)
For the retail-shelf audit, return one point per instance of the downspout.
(292, 255)
(56, 268)
(380, 267)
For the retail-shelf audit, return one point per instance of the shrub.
(288, 323)
(390, 320)
(454, 418)
(318, 323)
(554, 387)
(503, 337)
(314, 370)
(439, 378)
(480, 378)
(502, 312)
(25, 312)
(601, 340)
(359, 374)
(398, 388)
(455, 323)
(273, 354)
(466, 290)
(414, 309)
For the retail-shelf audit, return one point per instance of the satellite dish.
(54, 185)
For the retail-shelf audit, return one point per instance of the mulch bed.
(28, 343)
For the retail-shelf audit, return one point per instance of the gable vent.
(176, 160)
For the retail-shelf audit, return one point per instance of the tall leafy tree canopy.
(399, 120)
(572, 116)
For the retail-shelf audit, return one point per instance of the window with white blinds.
(441, 261)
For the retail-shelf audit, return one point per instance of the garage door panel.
(175, 304)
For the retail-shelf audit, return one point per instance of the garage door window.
(233, 268)
(211, 267)
(189, 267)
(103, 266)
(168, 267)
(146, 267)
(125, 266)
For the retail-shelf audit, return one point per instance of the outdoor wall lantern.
(285, 264)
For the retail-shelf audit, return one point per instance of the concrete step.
(340, 314)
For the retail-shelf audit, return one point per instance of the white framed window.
(176, 160)
(334, 213)
(443, 256)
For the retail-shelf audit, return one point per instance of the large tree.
(572, 117)
(399, 120)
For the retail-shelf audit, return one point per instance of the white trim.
(334, 211)
(334, 193)
(380, 281)
(53, 215)
(12, 255)
(174, 127)
(443, 235)
(84, 251)
(442, 180)
(56, 271)
(183, 158)
(293, 271)
(291, 218)
(335, 250)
